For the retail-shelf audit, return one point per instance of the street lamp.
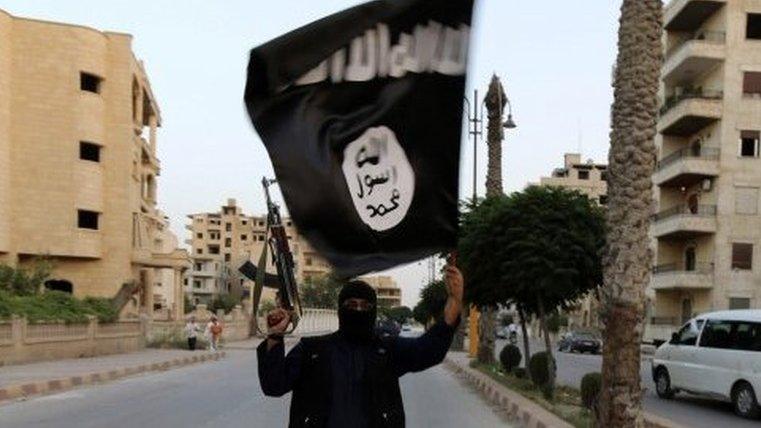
(475, 116)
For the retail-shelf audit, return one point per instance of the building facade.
(388, 292)
(222, 241)
(589, 178)
(707, 229)
(78, 162)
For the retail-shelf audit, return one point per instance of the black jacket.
(365, 378)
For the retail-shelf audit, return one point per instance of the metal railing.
(697, 268)
(704, 153)
(679, 210)
(717, 37)
(690, 94)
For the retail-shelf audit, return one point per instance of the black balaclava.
(357, 326)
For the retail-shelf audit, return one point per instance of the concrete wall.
(21, 342)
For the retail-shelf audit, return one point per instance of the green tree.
(631, 162)
(321, 292)
(25, 281)
(539, 248)
(399, 314)
(433, 298)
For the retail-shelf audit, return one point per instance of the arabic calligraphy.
(380, 179)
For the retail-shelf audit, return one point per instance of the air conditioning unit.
(707, 185)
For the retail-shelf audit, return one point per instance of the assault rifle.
(282, 258)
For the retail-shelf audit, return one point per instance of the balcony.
(687, 166)
(204, 273)
(689, 112)
(689, 15)
(673, 277)
(701, 52)
(684, 222)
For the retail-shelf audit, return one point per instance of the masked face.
(357, 312)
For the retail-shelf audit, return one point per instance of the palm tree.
(627, 256)
(495, 101)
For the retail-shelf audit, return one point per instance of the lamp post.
(475, 117)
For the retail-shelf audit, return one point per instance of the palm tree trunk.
(526, 349)
(495, 102)
(627, 256)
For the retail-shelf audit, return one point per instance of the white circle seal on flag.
(380, 178)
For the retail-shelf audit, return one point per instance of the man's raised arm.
(413, 355)
(277, 372)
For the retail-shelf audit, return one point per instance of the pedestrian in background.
(213, 333)
(191, 330)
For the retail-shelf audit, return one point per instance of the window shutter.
(742, 256)
(752, 82)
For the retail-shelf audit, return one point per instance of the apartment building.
(78, 166)
(588, 178)
(221, 241)
(707, 228)
(388, 292)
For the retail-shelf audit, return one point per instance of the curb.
(42, 387)
(516, 407)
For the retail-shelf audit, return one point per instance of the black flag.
(361, 113)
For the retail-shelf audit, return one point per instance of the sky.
(555, 60)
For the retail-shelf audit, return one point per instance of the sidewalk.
(23, 380)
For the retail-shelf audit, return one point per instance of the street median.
(24, 390)
(519, 408)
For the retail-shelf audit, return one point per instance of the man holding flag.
(361, 114)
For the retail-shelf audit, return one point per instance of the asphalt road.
(227, 394)
(687, 410)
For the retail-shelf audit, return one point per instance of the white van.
(715, 355)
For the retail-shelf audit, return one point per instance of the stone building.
(588, 178)
(707, 225)
(389, 294)
(222, 241)
(78, 162)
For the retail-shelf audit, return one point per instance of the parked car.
(579, 341)
(387, 328)
(715, 355)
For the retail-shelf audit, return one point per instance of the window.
(89, 151)
(185, 281)
(198, 266)
(227, 257)
(87, 219)
(752, 82)
(89, 82)
(196, 284)
(288, 223)
(717, 334)
(244, 222)
(243, 237)
(213, 249)
(199, 235)
(199, 250)
(742, 256)
(688, 335)
(583, 174)
(228, 227)
(603, 199)
(228, 242)
(746, 200)
(739, 303)
(308, 261)
(753, 26)
(749, 144)
(261, 237)
(604, 175)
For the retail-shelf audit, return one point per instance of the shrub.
(520, 372)
(175, 339)
(510, 357)
(555, 321)
(22, 281)
(590, 389)
(538, 368)
(56, 306)
(225, 302)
